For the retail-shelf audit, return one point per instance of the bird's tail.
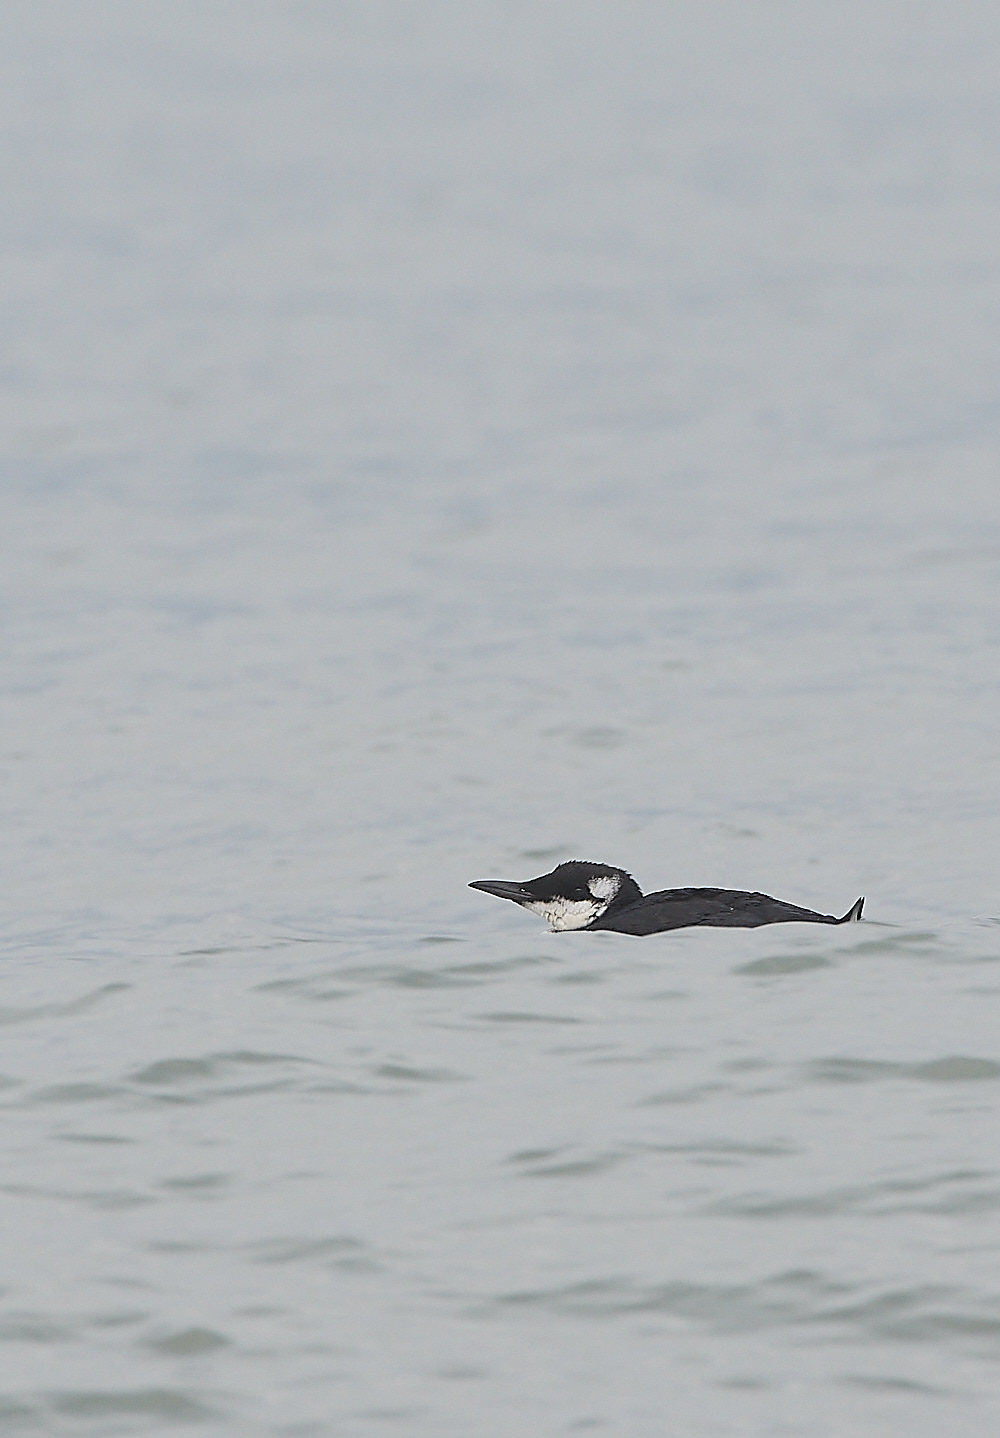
(854, 912)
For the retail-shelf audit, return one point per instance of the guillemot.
(579, 895)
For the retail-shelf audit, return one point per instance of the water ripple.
(338, 1251)
(187, 1343)
(63, 1010)
(953, 1068)
(783, 964)
(520, 1017)
(798, 1298)
(161, 1405)
(891, 1196)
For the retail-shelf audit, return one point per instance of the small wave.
(165, 1405)
(804, 1299)
(953, 1068)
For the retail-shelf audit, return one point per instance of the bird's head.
(572, 896)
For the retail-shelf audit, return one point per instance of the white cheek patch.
(562, 914)
(605, 888)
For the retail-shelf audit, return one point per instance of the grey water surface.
(441, 440)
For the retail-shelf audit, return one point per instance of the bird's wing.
(716, 908)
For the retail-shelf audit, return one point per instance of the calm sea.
(441, 440)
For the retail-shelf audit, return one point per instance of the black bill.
(503, 889)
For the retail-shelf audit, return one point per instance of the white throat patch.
(562, 914)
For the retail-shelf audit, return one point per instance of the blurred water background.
(440, 440)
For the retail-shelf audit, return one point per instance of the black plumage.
(579, 895)
(716, 908)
